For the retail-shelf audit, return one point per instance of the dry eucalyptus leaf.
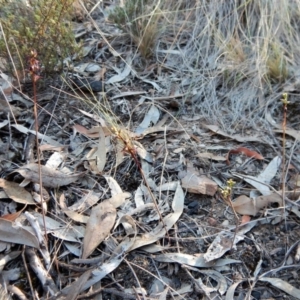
(93, 132)
(98, 227)
(16, 193)
(122, 74)
(222, 243)
(97, 156)
(66, 232)
(73, 295)
(211, 156)
(55, 160)
(118, 199)
(231, 291)
(283, 285)
(219, 278)
(12, 217)
(292, 132)
(43, 137)
(12, 233)
(113, 185)
(245, 151)
(194, 183)
(6, 85)
(262, 181)
(251, 206)
(100, 154)
(104, 268)
(7, 258)
(50, 177)
(89, 199)
(236, 137)
(193, 260)
(160, 230)
(4, 123)
(151, 117)
(128, 93)
(75, 216)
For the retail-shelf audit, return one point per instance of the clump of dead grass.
(234, 55)
(139, 19)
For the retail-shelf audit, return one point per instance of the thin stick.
(34, 72)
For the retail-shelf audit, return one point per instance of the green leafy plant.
(140, 19)
(43, 25)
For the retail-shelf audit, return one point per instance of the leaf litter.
(134, 194)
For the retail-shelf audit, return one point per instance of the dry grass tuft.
(140, 19)
(230, 54)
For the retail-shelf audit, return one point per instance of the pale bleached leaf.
(43, 137)
(55, 160)
(129, 225)
(128, 93)
(86, 202)
(198, 184)
(270, 171)
(231, 290)
(251, 206)
(150, 118)
(74, 248)
(211, 156)
(292, 132)
(97, 156)
(139, 196)
(122, 75)
(222, 243)
(168, 222)
(50, 177)
(282, 285)
(154, 84)
(14, 233)
(262, 188)
(157, 287)
(168, 186)
(60, 230)
(114, 186)
(153, 248)
(75, 216)
(7, 258)
(101, 221)
(16, 193)
(73, 294)
(262, 180)
(142, 152)
(219, 278)
(3, 123)
(118, 199)
(106, 267)
(193, 260)
(237, 137)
